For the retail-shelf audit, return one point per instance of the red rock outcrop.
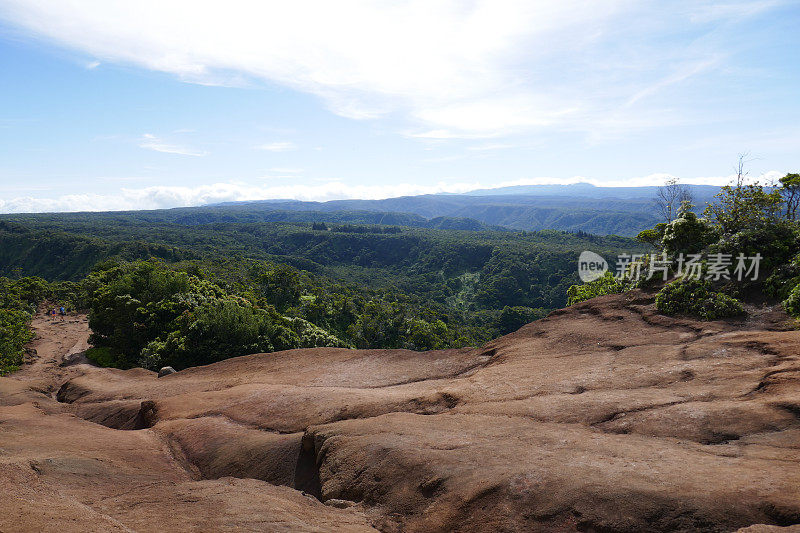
(605, 416)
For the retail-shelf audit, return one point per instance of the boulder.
(166, 371)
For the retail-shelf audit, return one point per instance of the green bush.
(776, 240)
(741, 206)
(424, 335)
(390, 325)
(687, 234)
(783, 279)
(18, 300)
(217, 330)
(15, 333)
(311, 336)
(695, 298)
(607, 284)
(134, 304)
(653, 236)
(792, 303)
(103, 356)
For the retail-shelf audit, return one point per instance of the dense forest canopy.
(163, 292)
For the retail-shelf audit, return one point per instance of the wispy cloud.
(491, 146)
(281, 146)
(482, 69)
(152, 142)
(683, 73)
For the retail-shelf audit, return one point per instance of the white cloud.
(324, 189)
(164, 197)
(452, 69)
(281, 146)
(151, 142)
(92, 65)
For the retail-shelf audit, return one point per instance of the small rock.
(339, 504)
(167, 370)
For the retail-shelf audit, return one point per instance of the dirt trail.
(56, 341)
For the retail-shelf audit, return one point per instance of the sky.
(108, 105)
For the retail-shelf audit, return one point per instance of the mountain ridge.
(580, 207)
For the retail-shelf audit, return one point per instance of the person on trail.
(62, 312)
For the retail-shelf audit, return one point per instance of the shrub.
(423, 335)
(281, 286)
(32, 289)
(312, 336)
(777, 241)
(783, 279)
(103, 356)
(741, 206)
(14, 335)
(686, 234)
(389, 325)
(792, 303)
(607, 284)
(131, 305)
(653, 236)
(217, 330)
(695, 298)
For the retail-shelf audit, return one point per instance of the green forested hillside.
(514, 268)
(291, 284)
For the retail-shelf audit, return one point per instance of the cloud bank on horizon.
(163, 197)
(483, 77)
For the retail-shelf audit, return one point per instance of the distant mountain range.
(590, 191)
(621, 211)
(577, 207)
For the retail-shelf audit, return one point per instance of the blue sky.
(147, 104)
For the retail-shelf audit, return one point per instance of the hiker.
(62, 312)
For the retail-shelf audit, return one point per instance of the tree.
(653, 236)
(669, 198)
(513, 318)
(687, 233)
(281, 286)
(740, 205)
(790, 190)
(216, 330)
(606, 284)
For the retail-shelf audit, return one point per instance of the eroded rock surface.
(602, 417)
